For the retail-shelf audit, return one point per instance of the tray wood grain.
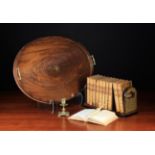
(52, 68)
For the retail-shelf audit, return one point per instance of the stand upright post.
(63, 111)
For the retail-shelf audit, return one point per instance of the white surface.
(77, 11)
(78, 143)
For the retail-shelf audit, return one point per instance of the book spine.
(106, 95)
(88, 91)
(119, 91)
(100, 94)
(93, 92)
(110, 97)
(108, 88)
(116, 96)
(97, 93)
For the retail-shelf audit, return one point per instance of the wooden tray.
(52, 68)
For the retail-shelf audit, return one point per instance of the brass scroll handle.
(130, 92)
(18, 73)
(93, 59)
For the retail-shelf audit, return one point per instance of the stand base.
(60, 114)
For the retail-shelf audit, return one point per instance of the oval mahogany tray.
(52, 68)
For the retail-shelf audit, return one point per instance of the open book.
(97, 116)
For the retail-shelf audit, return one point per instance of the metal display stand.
(52, 103)
(63, 105)
(80, 95)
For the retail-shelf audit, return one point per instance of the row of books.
(101, 90)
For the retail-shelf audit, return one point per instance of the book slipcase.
(108, 93)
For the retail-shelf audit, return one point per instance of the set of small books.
(103, 92)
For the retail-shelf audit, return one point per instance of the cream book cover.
(97, 116)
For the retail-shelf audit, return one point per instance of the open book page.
(82, 115)
(103, 117)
